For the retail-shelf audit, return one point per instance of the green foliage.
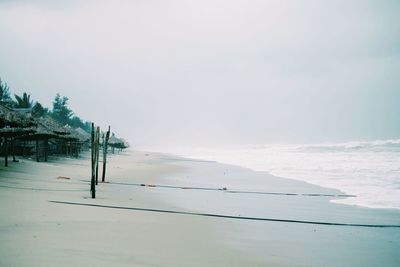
(5, 98)
(61, 112)
(39, 111)
(87, 127)
(64, 115)
(76, 122)
(4, 91)
(24, 101)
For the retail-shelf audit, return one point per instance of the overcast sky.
(170, 72)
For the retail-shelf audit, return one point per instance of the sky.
(167, 73)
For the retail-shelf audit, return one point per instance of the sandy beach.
(233, 133)
(48, 220)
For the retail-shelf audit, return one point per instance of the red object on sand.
(63, 177)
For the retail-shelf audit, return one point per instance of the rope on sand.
(236, 191)
(292, 194)
(227, 216)
(43, 189)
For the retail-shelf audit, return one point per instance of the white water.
(369, 170)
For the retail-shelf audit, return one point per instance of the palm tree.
(61, 112)
(24, 101)
(38, 110)
(5, 98)
(4, 91)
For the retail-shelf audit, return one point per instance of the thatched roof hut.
(113, 141)
(13, 123)
(84, 135)
(46, 128)
(76, 134)
(9, 132)
(117, 142)
(11, 118)
(53, 126)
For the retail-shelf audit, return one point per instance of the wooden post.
(92, 183)
(37, 150)
(6, 152)
(13, 150)
(97, 146)
(77, 149)
(105, 147)
(46, 145)
(23, 149)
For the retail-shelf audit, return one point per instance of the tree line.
(59, 112)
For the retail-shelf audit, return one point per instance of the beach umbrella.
(12, 125)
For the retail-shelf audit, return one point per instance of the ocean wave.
(377, 145)
(368, 169)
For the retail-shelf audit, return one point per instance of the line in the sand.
(34, 180)
(190, 160)
(226, 216)
(43, 189)
(235, 191)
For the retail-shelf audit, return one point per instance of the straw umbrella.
(46, 128)
(118, 143)
(12, 125)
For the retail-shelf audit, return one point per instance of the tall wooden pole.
(37, 150)
(97, 146)
(77, 149)
(6, 152)
(13, 149)
(23, 149)
(105, 147)
(92, 183)
(46, 145)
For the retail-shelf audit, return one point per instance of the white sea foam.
(369, 170)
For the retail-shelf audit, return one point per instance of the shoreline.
(367, 170)
(183, 240)
(338, 196)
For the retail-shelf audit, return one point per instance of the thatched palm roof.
(13, 123)
(85, 135)
(11, 118)
(76, 135)
(117, 142)
(114, 140)
(53, 126)
(46, 127)
(15, 131)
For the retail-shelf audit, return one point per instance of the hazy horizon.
(184, 73)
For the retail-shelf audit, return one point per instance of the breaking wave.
(370, 170)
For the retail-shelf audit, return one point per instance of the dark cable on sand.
(194, 188)
(237, 191)
(227, 216)
(43, 189)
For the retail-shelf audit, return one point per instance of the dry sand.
(36, 232)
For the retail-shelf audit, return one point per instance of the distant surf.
(370, 170)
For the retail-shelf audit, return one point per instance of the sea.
(368, 169)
